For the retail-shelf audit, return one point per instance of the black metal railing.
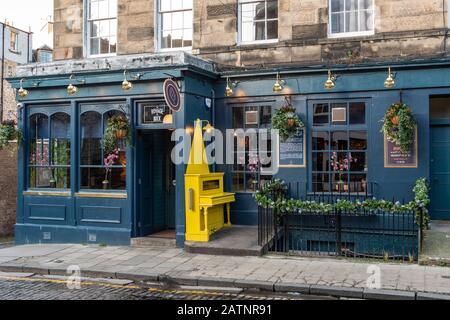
(359, 234)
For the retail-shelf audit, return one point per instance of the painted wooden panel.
(48, 212)
(108, 215)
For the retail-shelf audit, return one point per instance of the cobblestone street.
(42, 288)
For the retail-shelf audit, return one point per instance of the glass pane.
(260, 30)
(104, 45)
(112, 8)
(339, 182)
(95, 46)
(358, 183)
(91, 135)
(95, 29)
(61, 178)
(104, 28)
(320, 140)
(112, 27)
(177, 20)
(112, 45)
(320, 117)
(187, 20)
(351, 5)
(166, 21)
(340, 162)
(40, 177)
(39, 152)
(365, 4)
(351, 21)
(177, 38)
(39, 126)
(92, 178)
(247, 32)
(187, 38)
(176, 4)
(238, 118)
(166, 40)
(321, 161)
(187, 4)
(357, 113)
(320, 182)
(358, 140)
(61, 151)
(251, 180)
(265, 117)
(272, 9)
(93, 10)
(339, 140)
(103, 9)
(365, 21)
(440, 108)
(60, 126)
(238, 182)
(337, 23)
(358, 162)
(164, 5)
(337, 5)
(272, 30)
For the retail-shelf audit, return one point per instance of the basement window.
(102, 27)
(350, 18)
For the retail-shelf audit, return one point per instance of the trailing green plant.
(421, 201)
(271, 194)
(287, 122)
(399, 126)
(8, 133)
(118, 128)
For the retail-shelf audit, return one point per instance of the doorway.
(440, 157)
(155, 184)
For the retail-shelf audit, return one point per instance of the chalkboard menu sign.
(396, 158)
(154, 113)
(293, 151)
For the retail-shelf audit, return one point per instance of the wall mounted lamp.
(23, 93)
(389, 83)
(331, 81)
(279, 84)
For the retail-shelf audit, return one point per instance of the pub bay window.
(339, 147)
(175, 24)
(351, 18)
(248, 172)
(94, 166)
(102, 27)
(258, 21)
(49, 151)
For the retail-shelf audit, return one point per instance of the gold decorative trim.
(46, 194)
(103, 195)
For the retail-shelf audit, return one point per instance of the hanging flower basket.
(399, 126)
(117, 129)
(287, 122)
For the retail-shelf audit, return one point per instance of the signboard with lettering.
(293, 151)
(394, 157)
(154, 113)
(172, 95)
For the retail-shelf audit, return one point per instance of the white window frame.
(158, 29)
(239, 35)
(87, 8)
(350, 34)
(14, 36)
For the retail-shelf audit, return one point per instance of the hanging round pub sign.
(172, 95)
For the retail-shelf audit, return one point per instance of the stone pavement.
(436, 246)
(318, 276)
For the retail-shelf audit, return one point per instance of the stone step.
(193, 247)
(153, 242)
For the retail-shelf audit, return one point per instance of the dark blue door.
(155, 189)
(440, 172)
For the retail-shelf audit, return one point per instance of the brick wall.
(8, 183)
(404, 29)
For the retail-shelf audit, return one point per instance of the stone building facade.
(403, 29)
(15, 49)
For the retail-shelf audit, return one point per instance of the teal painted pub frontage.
(60, 194)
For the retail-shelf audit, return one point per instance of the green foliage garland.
(399, 126)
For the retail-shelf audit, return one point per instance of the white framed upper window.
(351, 18)
(175, 25)
(258, 21)
(14, 41)
(101, 27)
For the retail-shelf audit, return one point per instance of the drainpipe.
(2, 78)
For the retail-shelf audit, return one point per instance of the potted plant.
(9, 132)
(109, 161)
(399, 126)
(287, 122)
(340, 166)
(117, 129)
